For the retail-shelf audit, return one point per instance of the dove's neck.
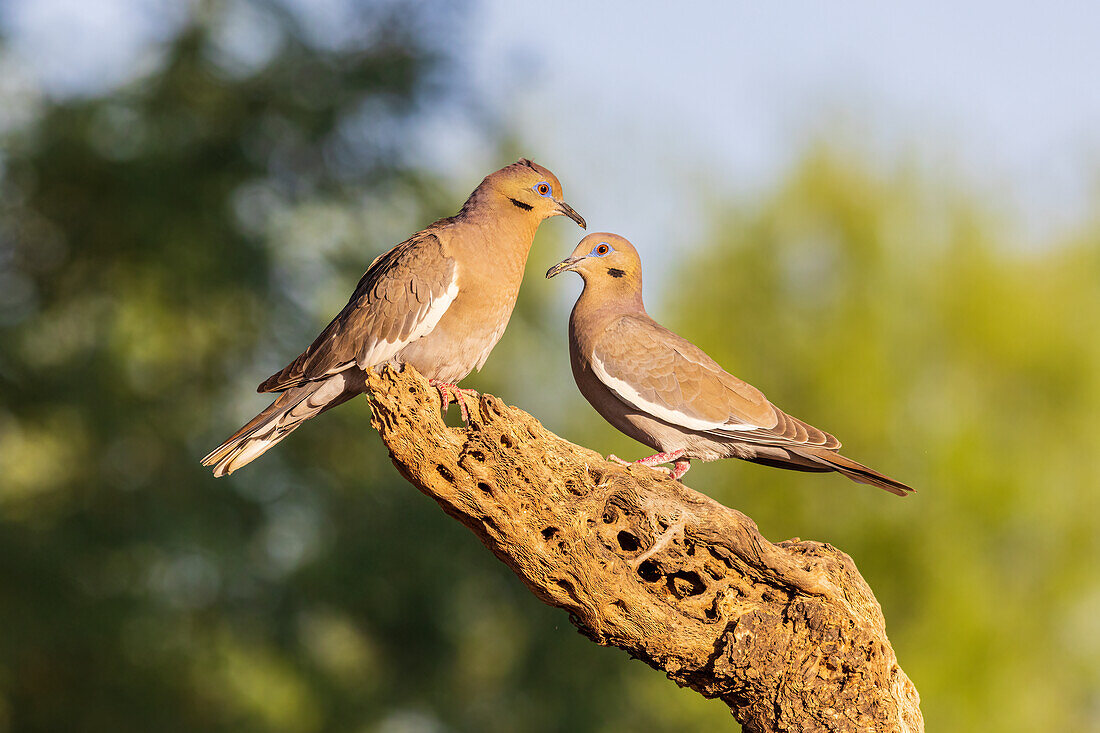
(601, 302)
(494, 243)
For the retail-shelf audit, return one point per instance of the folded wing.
(663, 375)
(399, 299)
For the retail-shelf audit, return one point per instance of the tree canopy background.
(166, 245)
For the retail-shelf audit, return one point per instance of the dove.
(664, 391)
(439, 301)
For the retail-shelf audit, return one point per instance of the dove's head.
(530, 188)
(606, 261)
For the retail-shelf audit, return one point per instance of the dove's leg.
(658, 458)
(676, 458)
(453, 393)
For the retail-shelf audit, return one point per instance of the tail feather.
(855, 471)
(278, 420)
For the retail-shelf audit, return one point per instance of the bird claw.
(680, 465)
(453, 393)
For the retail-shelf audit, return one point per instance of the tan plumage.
(439, 301)
(665, 392)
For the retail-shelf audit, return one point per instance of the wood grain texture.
(788, 635)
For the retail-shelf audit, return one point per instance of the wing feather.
(399, 299)
(662, 374)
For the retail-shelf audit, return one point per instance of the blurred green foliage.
(165, 247)
(886, 306)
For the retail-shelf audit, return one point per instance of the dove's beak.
(566, 210)
(566, 264)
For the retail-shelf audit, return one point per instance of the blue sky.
(647, 100)
(640, 108)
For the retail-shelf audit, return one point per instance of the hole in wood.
(505, 440)
(686, 583)
(486, 487)
(627, 541)
(649, 572)
(445, 473)
(549, 533)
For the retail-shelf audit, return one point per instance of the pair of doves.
(441, 300)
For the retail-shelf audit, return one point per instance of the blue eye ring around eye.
(603, 249)
(542, 188)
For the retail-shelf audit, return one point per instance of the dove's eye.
(600, 250)
(542, 189)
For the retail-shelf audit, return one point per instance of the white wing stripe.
(384, 350)
(435, 311)
(632, 397)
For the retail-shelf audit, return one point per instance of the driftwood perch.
(788, 635)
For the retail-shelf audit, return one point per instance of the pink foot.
(658, 458)
(680, 465)
(453, 393)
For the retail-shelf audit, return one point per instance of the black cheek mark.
(521, 205)
(615, 272)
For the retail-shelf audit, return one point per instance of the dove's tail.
(279, 420)
(857, 472)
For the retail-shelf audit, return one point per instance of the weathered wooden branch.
(788, 635)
